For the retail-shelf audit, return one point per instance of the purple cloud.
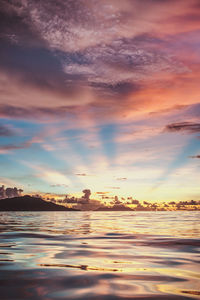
(188, 127)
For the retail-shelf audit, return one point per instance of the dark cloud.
(73, 24)
(25, 55)
(59, 185)
(15, 112)
(15, 25)
(196, 4)
(171, 109)
(9, 111)
(11, 147)
(62, 48)
(9, 192)
(183, 127)
(129, 59)
(36, 66)
(113, 67)
(193, 110)
(94, 67)
(81, 174)
(192, 17)
(102, 193)
(117, 90)
(67, 73)
(6, 131)
(195, 156)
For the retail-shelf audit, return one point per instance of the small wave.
(91, 256)
(6, 260)
(7, 245)
(82, 267)
(196, 293)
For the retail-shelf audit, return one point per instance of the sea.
(100, 255)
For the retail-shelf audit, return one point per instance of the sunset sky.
(102, 95)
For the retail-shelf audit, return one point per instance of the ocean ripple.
(98, 255)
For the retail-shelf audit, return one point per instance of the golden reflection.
(81, 267)
(174, 290)
(114, 253)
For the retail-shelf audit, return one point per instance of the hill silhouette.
(29, 203)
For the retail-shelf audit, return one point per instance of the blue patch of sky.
(43, 158)
(37, 154)
(107, 134)
(14, 169)
(79, 145)
(182, 158)
(22, 131)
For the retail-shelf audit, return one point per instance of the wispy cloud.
(183, 126)
(61, 53)
(6, 131)
(10, 147)
(51, 176)
(195, 156)
(81, 174)
(59, 185)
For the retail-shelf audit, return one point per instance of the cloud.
(9, 192)
(48, 174)
(122, 178)
(101, 193)
(188, 127)
(56, 76)
(10, 147)
(131, 59)
(59, 185)
(133, 132)
(38, 139)
(38, 67)
(16, 26)
(113, 187)
(6, 131)
(69, 54)
(72, 25)
(172, 109)
(41, 113)
(195, 156)
(81, 174)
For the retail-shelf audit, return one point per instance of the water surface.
(99, 255)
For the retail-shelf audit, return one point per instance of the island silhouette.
(29, 203)
(11, 199)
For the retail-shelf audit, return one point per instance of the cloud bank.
(77, 56)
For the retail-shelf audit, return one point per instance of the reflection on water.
(99, 255)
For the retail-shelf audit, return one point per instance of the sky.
(102, 95)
